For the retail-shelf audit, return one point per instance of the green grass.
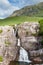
(18, 20)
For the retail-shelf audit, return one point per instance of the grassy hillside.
(17, 20)
(35, 10)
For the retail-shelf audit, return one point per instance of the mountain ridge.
(33, 10)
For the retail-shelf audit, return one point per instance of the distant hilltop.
(33, 10)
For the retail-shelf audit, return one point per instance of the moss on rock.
(1, 58)
(7, 42)
(1, 31)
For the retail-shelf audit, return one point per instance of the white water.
(23, 54)
(18, 42)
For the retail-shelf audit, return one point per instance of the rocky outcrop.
(36, 55)
(8, 45)
(29, 43)
(29, 40)
(28, 33)
(28, 29)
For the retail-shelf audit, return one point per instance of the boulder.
(8, 45)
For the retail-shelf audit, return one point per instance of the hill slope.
(18, 19)
(35, 10)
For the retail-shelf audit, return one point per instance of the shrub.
(27, 33)
(1, 31)
(7, 42)
(41, 28)
(8, 30)
(35, 34)
(42, 42)
(1, 58)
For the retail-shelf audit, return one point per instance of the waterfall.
(18, 42)
(23, 54)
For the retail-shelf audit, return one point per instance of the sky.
(7, 7)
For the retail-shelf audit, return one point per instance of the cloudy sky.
(8, 6)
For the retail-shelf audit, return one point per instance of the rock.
(8, 45)
(29, 40)
(29, 43)
(36, 64)
(36, 55)
(28, 33)
(28, 29)
(38, 59)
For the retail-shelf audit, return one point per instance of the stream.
(23, 58)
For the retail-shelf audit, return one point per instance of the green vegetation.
(42, 42)
(8, 30)
(7, 42)
(41, 28)
(18, 20)
(34, 34)
(28, 13)
(27, 33)
(1, 58)
(1, 31)
(35, 10)
(21, 19)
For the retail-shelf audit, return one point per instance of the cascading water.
(23, 54)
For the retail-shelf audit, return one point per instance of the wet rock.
(8, 45)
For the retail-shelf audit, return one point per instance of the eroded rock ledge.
(28, 34)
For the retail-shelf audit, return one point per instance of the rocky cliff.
(8, 45)
(29, 40)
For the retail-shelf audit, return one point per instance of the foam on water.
(23, 54)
